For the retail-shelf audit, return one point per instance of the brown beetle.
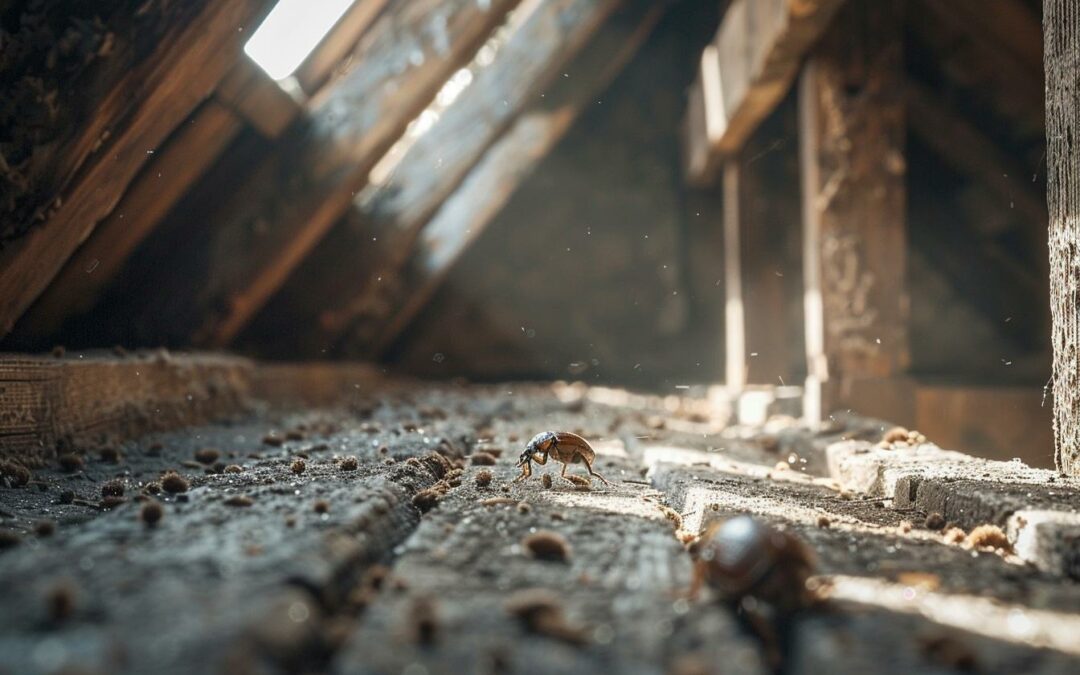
(563, 446)
(744, 557)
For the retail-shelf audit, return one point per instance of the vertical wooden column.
(851, 127)
(734, 321)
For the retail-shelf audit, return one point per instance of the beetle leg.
(588, 465)
(526, 471)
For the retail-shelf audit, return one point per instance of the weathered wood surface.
(756, 56)
(370, 248)
(257, 98)
(49, 405)
(483, 193)
(277, 586)
(285, 207)
(854, 233)
(195, 145)
(320, 67)
(133, 118)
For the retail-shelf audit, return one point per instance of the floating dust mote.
(298, 467)
(483, 479)
(349, 464)
(546, 481)
(113, 488)
(207, 455)
(989, 537)
(239, 500)
(547, 545)
(322, 506)
(483, 459)
(174, 483)
(540, 611)
(934, 521)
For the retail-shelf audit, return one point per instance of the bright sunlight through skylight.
(292, 30)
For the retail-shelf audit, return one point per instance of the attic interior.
(293, 292)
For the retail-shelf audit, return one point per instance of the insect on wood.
(562, 446)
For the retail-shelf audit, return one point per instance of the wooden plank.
(486, 190)
(387, 217)
(257, 98)
(318, 68)
(102, 399)
(734, 320)
(854, 231)
(160, 185)
(282, 211)
(156, 97)
(751, 65)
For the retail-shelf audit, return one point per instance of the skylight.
(291, 31)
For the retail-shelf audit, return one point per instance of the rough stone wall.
(1061, 25)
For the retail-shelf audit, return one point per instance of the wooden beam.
(138, 113)
(257, 98)
(854, 231)
(389, 216)
(734, 319)
(486, 190)
(750, 66)
(160, 185)
(296, 197)
(333, 52)
(958, 143)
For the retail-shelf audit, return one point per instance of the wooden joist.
(853, 168)
(165, 179)
(139, 111)
(490, 185)
(745, 73)
(289, 204)
(389, 218)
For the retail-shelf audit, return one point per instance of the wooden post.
(734, 321)
(1062, 62)
(854, 233)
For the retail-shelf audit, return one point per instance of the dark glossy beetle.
(744, 557)
(562, 446)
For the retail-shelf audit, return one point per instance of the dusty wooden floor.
(259, 567)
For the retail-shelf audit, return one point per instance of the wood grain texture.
(195, 145)
(852, 131)
(289, 204)
(134, 118)
(332, 54)
(753, 61)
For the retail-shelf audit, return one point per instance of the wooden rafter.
(249, 91)
(389, 218)
(318, 68)
(161, 184)
(289, 203)
(491, 184)
(745, 73)
(141, 109)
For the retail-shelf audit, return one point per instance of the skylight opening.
(292, 30)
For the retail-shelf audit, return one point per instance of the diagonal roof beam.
(142, 105)
(491, 184)
(388, 217)
(293, 200)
